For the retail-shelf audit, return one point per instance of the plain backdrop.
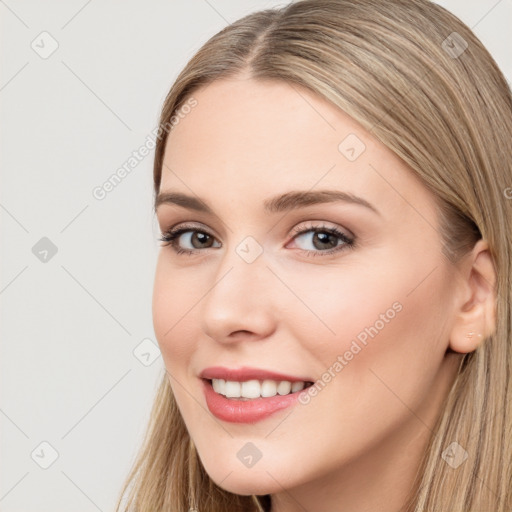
(81, 86)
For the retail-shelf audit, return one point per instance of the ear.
(476, 300)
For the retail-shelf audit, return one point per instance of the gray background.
(79, 360)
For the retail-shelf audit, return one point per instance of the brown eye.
(195, 239)
(199, 239)
(322, 240)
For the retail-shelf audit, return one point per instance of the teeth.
(255, 388)
(268, 388)
(232, 389)
(297, 386)
(283, 388)
(250, 389)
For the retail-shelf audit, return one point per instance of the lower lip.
(246, 411)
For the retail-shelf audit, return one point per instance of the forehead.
(266, 119)
(265, 137)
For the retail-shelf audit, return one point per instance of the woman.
(376, 137)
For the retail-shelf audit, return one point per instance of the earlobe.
(475, 314)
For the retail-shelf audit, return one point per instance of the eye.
(197, 238)
(323, 240)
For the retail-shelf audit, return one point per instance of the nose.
(239, 304)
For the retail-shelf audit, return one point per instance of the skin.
(357, 444)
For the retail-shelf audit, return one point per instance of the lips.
(243, 410)
(250, 411)
(248, 373)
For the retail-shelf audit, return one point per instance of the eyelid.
(189, 226)
(348, 241)
(319, 225)
(192, 225)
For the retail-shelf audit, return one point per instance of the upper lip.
(247, 373)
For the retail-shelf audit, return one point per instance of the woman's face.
(366, 315)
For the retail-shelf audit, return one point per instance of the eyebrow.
(281, 203)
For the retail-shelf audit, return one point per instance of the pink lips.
(247, 373)
(246, 411)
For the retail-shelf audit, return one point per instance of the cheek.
(172, 308)
(381, 364)
(377, 318)
(173, 319)
(343, 307)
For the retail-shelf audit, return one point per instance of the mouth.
(256, 389)
(252, 400)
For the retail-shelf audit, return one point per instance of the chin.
(246, 482)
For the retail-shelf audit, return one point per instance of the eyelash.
(170, 238)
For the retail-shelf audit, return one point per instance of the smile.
(251, 389)
(243, 409)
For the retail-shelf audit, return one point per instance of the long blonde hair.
(400, 68)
